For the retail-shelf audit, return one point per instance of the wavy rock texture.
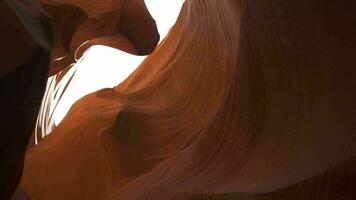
(243, 100)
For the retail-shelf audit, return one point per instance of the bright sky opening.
(105, 67)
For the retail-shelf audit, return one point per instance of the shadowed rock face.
(77, 25)
(25, 54)
(251, 100)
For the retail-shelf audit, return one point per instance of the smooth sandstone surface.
(251, 100)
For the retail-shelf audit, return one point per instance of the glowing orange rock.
(243, 100)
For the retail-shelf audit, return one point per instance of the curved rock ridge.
(243, 100)
(79, 24)
(27, 43)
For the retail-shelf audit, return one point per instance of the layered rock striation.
(251, 100)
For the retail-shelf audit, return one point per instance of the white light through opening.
(105, 67)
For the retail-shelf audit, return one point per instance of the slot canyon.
(241, 100)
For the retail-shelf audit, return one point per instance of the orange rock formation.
(79, 24)
(26, 43)
(251, 100)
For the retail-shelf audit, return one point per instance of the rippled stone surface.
(251, 100)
